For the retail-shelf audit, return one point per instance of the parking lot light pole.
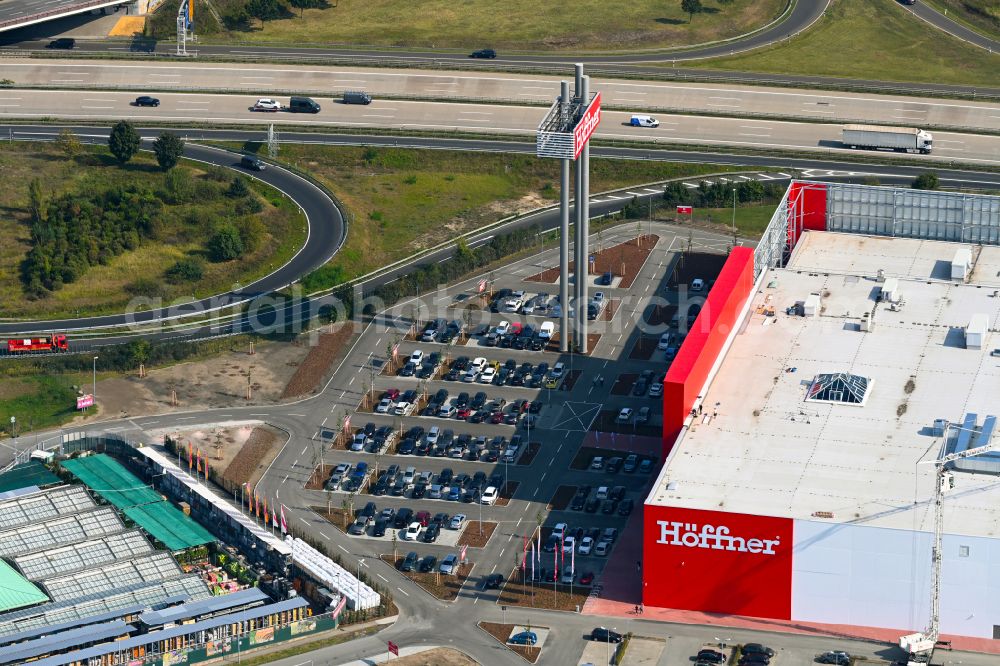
(95, 381)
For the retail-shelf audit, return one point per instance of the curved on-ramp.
(326, 233)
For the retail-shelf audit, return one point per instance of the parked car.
(838, 657)
(493, 582)
(646, 466)
(427, 564)
(412, 532)
(597, 463)
(449, 564)
(409, 563)
(586, 546)
(457, 521)
(359, 526)
(710, 656)
(524, 638)
(605, 635)
(625, 415)
(586, 578)
(489, 496)
(757, 648)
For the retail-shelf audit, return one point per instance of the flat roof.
(770, 452)
(26, 475)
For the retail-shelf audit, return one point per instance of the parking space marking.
(343, 549)
(325, 535)
(382, 577)
(304, 449)
(403, 591)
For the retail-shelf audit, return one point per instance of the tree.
(264, 10)
(225, 244)
(925, 181)
(124, 141)
(138, 351)
(302, 5)
(238, 188)
(168, 148)
(69, 143)
(692, 7)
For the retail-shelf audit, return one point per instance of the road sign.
(482, 286)
(85, 401)
(685, 210)
(461, 553)
(393, 648)
(589, 121)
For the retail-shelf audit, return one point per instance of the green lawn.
(983, 16)
(402, 201)
(39, 401)
(185, 227)
(750, 220)
(872, 39)
(522, 25)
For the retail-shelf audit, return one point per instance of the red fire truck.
(51, 343)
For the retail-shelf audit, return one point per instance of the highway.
(636, 96)
(509, 120)
(925, 12)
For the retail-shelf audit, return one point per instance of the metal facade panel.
(870, 576)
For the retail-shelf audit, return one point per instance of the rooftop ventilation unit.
(975, 332)
(961, 264)
(840, 388)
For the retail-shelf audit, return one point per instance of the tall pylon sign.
(565, 134)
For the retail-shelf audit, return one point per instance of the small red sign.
(685, 210)
(393, 648)
(588, 123)
(85, 401)
(482, 286)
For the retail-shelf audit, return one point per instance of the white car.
(384, 405)
(598, 298)
(586, 546)
(433, 435)
(656, 390)
(457, 521)
(597, 463)
(417, 357)
(267, 104)
(569, 544)
(488, 375)
(625, 416)
(546, 330)
(665, 340)
(560, 530)
(697, 284)
(601, 549)
(568, 576)
(402, 409)
(513, 304)
(478, 364)
(489, 496)
(557, 370)
(412, 532)
(602, 493)
(502, 328)
(470, 375)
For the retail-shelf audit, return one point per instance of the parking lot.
(474, 411)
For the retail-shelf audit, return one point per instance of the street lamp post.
(360, 562)
(95, 381)
(608, 643)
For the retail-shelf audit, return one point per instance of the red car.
(423, 517)
(587, 578)
(392, 394)
(463, 413)
(496, 417)
(523, 406)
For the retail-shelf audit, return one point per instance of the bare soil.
(644, 348)
(608, 313)
(529, 453)
(571, 378)
(592, 340)
(625, 260)
(561, 498)
(217, 382)
(225, 448)
(691, 265)
(318, 362)
(623, 384)
(441, 586)
(502, 632)
(507, 493)
(607, 421)
(658, 315)
(338, 516)
(471, 536)
(249, 462)
(518, 593)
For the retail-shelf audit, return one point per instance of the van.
(643, 121)
(252, 163)
(303, 105)
(546, 330)
(357, 97)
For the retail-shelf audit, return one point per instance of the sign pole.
(564, 234)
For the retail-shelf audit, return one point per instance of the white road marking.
(382, 577)
(403, 591)
(304, 449)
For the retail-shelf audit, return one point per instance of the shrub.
(225, 244)
(143, 287)
(168, 148)
(124, 141)
(185, 270)
(239, 187)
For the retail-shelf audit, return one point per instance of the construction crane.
(921, 645)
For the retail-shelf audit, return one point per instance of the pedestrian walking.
(602, 380)
(637, 609)
(642, 609)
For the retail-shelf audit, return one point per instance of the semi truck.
(51, 343)
(874, 137)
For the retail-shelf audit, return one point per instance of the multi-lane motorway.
(501, 88)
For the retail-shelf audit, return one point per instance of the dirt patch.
(444, 587)
(571, 378)
(217, 382)
(623, 384)
(608, 313)
(625, 260)
(644, 348)
(435, 657)
(502, 632)
(554, 596)
(507, 493)
(337, 516)
(317, 363)
(561, 498)
(607, 421)
(249, 460)
(658, 315)
(586, 454)
(471, 536)
(529, 453)
(691, 265)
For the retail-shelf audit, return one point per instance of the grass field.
(983, 16)
(876, 40)
(403, 201)
(523, 25)
(750, 220)
(39, 401)
(104, 288)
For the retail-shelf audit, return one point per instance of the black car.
(484, 53)
(579, 501)
(146, 100)
(754, 659)
(605, 279)
(613, 465)
(403, 518)
(381, 488)
(398, 488)
(445, 477)
(592, 505)
(493, 582)
(419, 491)
(605, 635)
(409, 562)
(406, 447)
(462, 400)
(617, 493)
(68, 43)
(460, 363)
(625, 508)
(535, 407)
(427, 564)
(369, 511)
(432, 532)
(707, 656)
(380, 527)
(408, 369)
(478, 401)
(837, 657)
(489, 456)
(757, 648)
(608, 507)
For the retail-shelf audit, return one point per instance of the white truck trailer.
(875, 137)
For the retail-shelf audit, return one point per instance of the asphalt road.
(511, 120)
(932, 16)
(324, 82)
(326, 233)
(425, 620)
